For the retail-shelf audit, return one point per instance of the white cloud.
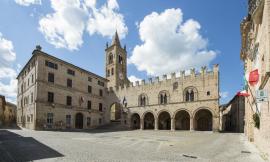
(106, 20)
(64, 28)
(224, 95)
(170, 44)
(10, 89)
(28, 2)
(6, 50)
(133, 78)
(7, 73)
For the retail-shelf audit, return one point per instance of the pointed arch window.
(110, 58)
(143, 100)
(190, 94)
(163, 97)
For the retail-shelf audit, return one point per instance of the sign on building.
(261, 95)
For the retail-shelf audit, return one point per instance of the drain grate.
(190, 156)
(246, 152)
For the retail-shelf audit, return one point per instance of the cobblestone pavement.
(28, 145)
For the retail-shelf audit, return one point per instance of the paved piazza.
(98, 145)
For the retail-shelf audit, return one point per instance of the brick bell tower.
(116, 63)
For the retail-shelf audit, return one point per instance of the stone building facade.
(232, 115)
(188, 102)
(55, 94)
(2, 108)
(7, 112)
(255, 53)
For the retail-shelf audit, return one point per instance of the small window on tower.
(208, 93)
(112, 71)
(110, 58)
(120, 59)
(108, 72)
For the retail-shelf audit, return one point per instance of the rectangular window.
(89, 105)
(89, 79)
(51, 65)
(112, 71)
(88, 122)
(51, 77)
(49, 119)
(100, 121)
(50, 97)
(68, 121)
(32, 97)
(101, 92)
(89, 89)
(69, 83)
(31, 118)
(101, 83)
(100, 107)
(32, 78)
(69, 100)
(71, 72)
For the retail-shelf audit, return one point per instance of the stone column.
(191, 124)
(142, 124)
(156, 124)
(172, 124)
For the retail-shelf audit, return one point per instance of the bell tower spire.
(115, 40)
(116, 63)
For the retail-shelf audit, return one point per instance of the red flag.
(253, 77)
(242, 93)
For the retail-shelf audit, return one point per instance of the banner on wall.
(253, 77)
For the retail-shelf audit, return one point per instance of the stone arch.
(115, 111)
(148, 120)
(79, 121)
(164, 97)
(203, 119)
(143, 99)
(182, 109)
(190, 94)
(135, 121)
(164, 120)
(182, 119)
(200, 108)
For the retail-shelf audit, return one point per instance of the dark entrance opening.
(115, 112)
(182, 120)
(203, 120)
(164, 121)
(149, 121)
(79, 121)
(135, 121)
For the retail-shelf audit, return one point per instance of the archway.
(203, 120)
(182, 120)
(135, 121)
(149, 121)
(164, 121)
(79, 121)
(115, 110)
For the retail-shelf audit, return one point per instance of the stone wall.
(205, 85)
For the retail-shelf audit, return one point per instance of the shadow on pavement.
(14, 147)
(13, 126)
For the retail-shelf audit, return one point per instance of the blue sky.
(182, 33)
